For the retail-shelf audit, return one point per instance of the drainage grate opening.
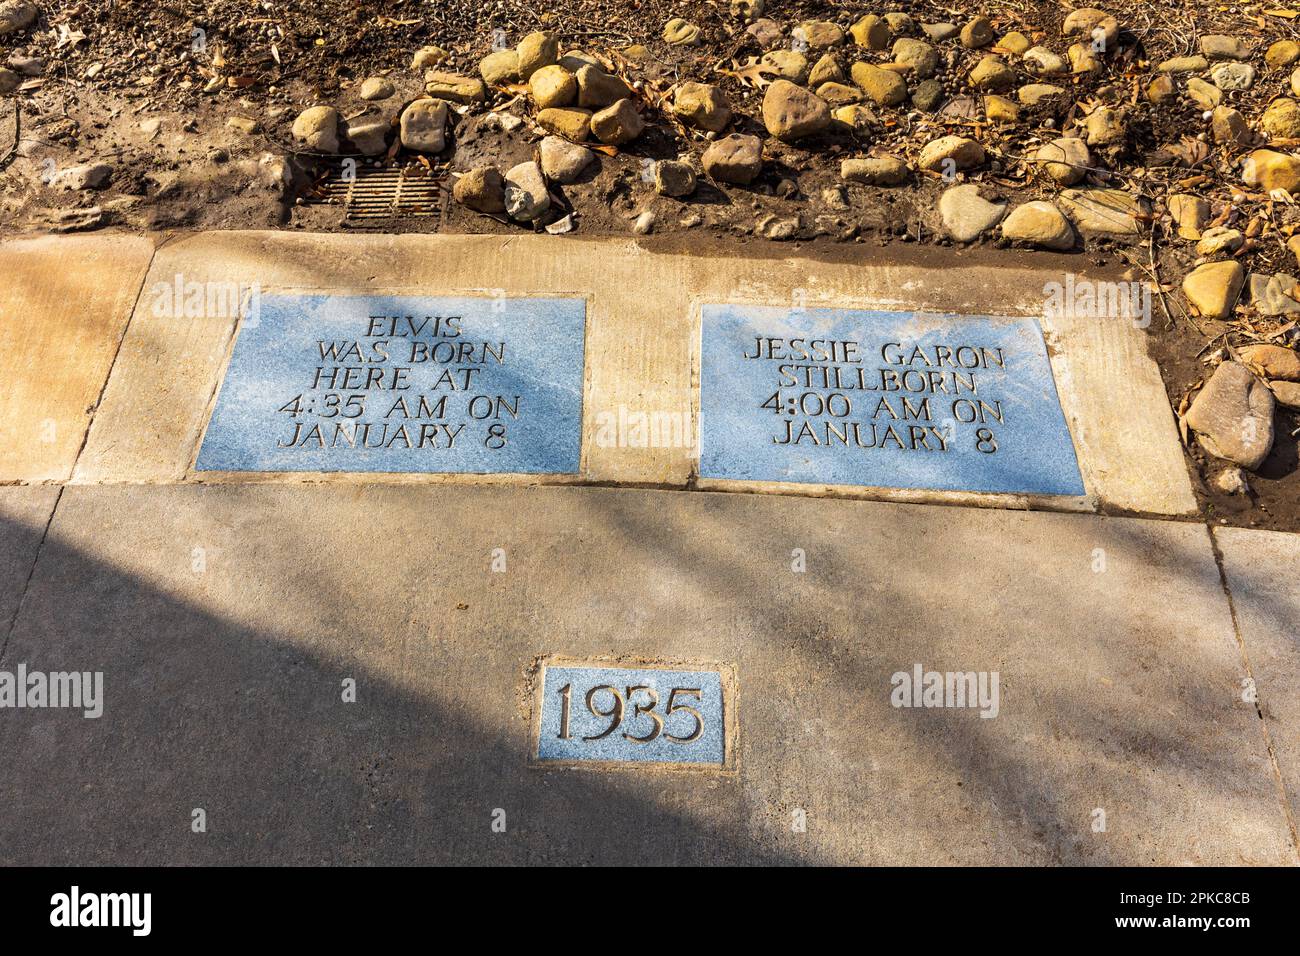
(373, 193)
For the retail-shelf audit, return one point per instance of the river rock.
(1015, 43)
(570, 122)
(375, 88)
(1092, 24)
(1219, 241)
(966, 214)
(598, 89)
(1233, 416)
(791, 112)
(1282, 54)
(1065, 159)
(992, 73)
(1275, 361)
(917, 54)
(674, 178)
(536, 51)
(1271, 295)
(871, 32)
(1183, 64)
(1216, 46)
(86, 176)
(702, 105)
(1104, 126)
(927, 95)
(16, 15)
(875, 171)
(1212, 289)
(735, 159)
(499, 67)
(1001, 110)
(1104, 211)
(1233, 76)
(819, 34)
(1083, 59)
(977, 33)
(766, 32)
(455, 88)
(526, 196)
(1269, 170)
(964, 153)
(482, 190)
(1031, 94)
(1205, 95)
(617, 124)
(563, 161)
(428, 56)
(369, 134)
(1228, 127)
(1041, 61)
(1190, 213)
(885, 87)
(1161, 90)
(825, 70)
(1039, 223)
(1286, 393)
(1282, 119)
(553, 86)
(424, 126)
(318, 128)
(681, 32)
(789, 64)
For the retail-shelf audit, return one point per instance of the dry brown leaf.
(1189, 151)
(753, 73)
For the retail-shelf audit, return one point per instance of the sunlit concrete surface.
(227, 618)
(1263, 573)
(64, 306)
(642, 347)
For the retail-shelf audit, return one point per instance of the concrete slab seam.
(31, 573)
(1278, 779)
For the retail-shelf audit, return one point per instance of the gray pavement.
(226, 618)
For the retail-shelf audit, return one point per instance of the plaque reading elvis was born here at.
(344, 383)
(881, 399)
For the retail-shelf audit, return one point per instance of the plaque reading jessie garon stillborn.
(340, 383)
(881, 399)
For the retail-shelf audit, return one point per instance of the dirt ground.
(225, 79)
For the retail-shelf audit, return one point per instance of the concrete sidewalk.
(1146, 669)
(226, 618)
(642, 350)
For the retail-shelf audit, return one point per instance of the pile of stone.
(919, 103)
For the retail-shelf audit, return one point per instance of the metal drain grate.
(372, 194)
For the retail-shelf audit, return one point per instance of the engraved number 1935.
(618, 702)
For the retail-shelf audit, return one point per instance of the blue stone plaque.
(640, 715)
(881, 399)
(402, 384)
